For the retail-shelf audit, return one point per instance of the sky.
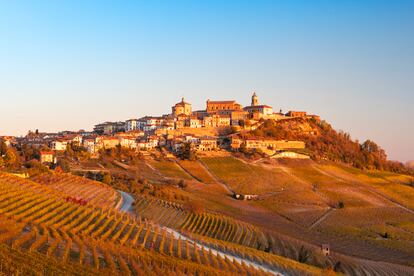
(67, 65)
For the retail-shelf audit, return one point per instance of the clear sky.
(72, 64)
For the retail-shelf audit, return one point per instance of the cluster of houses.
(150, 132)
(216, 114)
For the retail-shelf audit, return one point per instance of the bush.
(182, 184)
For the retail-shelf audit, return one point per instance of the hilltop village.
(207, 130)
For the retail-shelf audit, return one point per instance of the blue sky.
(72, 64)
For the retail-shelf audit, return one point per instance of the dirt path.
(127, 201)
(322, 218)
(126, 207)
(187, 172)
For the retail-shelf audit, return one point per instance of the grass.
(248, 179)
(169, 169)
(197, 171)
(392, 186)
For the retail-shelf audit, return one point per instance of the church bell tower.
(255, 99)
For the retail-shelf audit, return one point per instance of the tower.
(255, 100)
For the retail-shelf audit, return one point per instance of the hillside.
(125, 212)
(37, 220)
(325, 143)
(300, 204)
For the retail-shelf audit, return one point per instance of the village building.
(296, 114)
(47, 157)
(216, 121)
(89, 144)
(131, 125)
(290, 155)
(257, 111)
(168, 124)
(193, 122)
(265, 144)
(129, 142)
(206, 144)
(106, 142)
(59, 145)
(109, 128)
(325, 249)
(153, 123)
(133, 133)
(218, 106)
(237, 116)
(74, 138)
(181, 108)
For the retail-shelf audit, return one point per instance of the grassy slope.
(170, 169)
(367, 214)
(247, 178)
(196, 170)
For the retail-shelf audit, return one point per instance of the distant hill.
(325, 143)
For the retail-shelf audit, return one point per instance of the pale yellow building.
(181, 108)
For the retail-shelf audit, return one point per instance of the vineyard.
(93, 192)
(205, 224)
(65, 224)
(242, 239)
(36, 220)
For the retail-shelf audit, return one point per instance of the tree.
(182, 184)
(11, 158)
(63, 164)
(187, 152)
(304, 254)
(3, 148)
(107, 178)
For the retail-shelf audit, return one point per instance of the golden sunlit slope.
(37, 220)
(363, 213)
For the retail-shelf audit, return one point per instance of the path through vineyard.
(126, 206)
(127, 201)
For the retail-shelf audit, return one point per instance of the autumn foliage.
(325, 143)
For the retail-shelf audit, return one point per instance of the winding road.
(126, 206)
(127, 200)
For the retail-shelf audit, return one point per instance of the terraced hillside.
(360, 213)
(37, 220)
(95, 193)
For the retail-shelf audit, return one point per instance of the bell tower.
(255, 100)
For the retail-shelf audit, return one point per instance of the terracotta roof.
(221, 102)
(258, 106)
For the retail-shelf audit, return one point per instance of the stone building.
(218, 106)
(296, 114)
(181, 108)
(257, 111)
